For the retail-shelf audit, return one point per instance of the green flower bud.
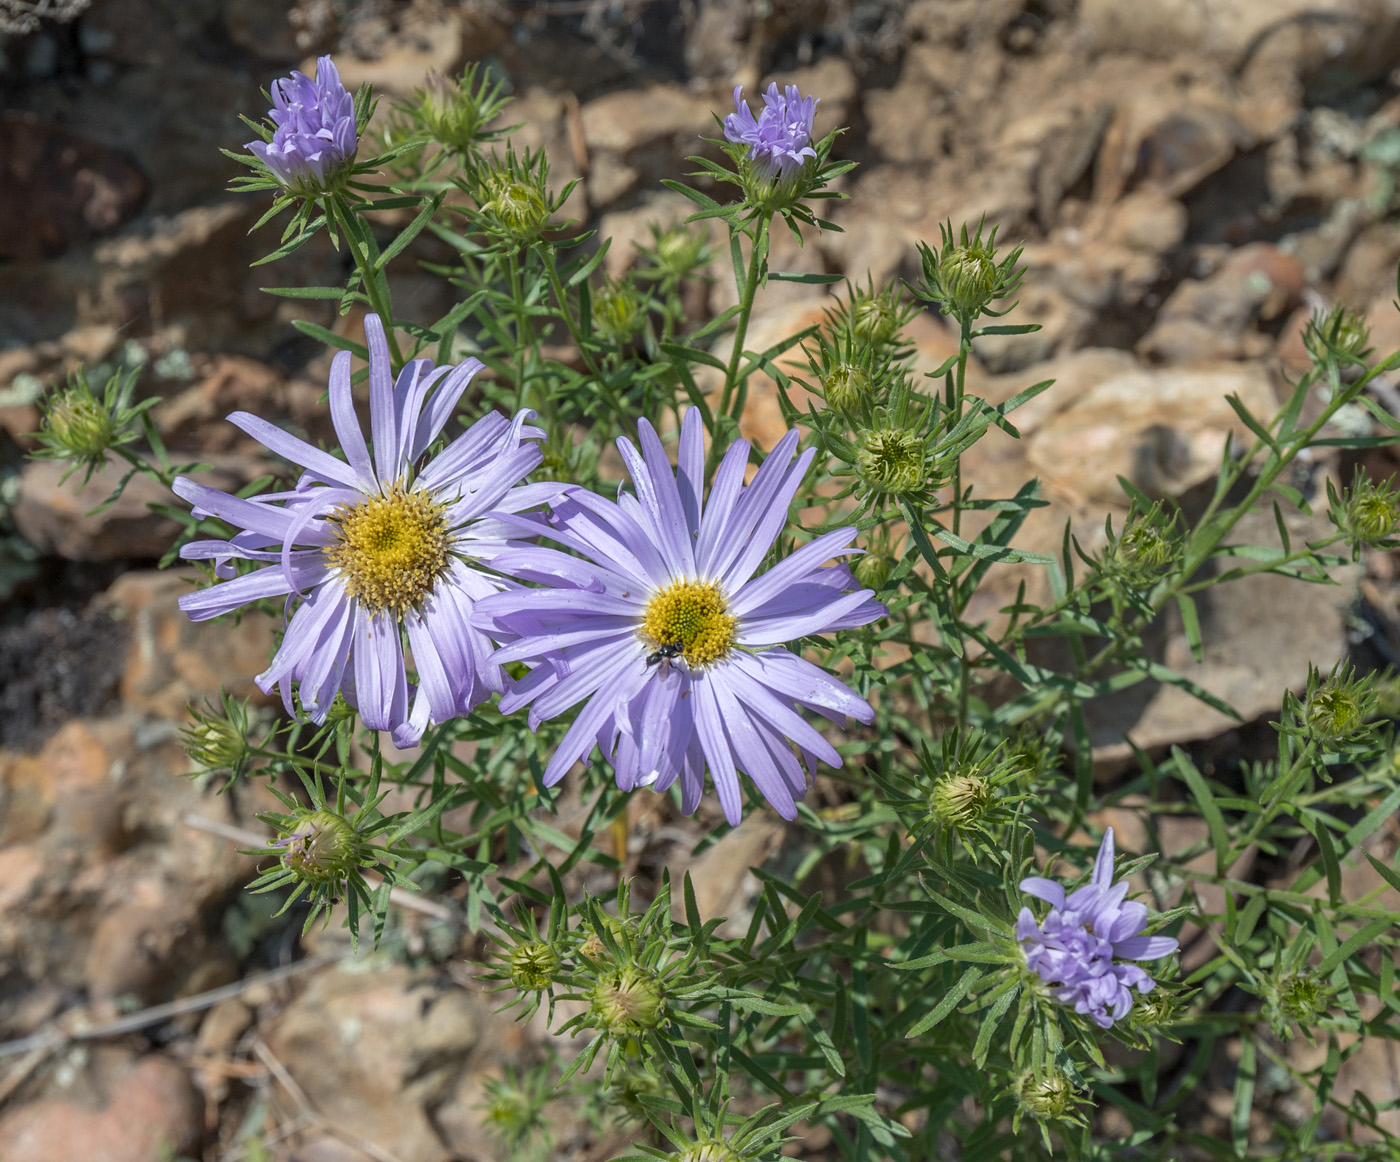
(321, 846)
(1147, 548)
(1298, 997)
(1155, 1008)
(80, 425)
(532, 966)
(1340, 331)
(713, 1150)
(1046, 1096)
(676, 253)
(961, 799)
(968, 277)
(892, 461)
(1340, 706)
(517, 206)
(874, 318)
(873, 569)
(617, 310)
(1371, 516)
(628, 1001)
(220, 741)
(845, 386)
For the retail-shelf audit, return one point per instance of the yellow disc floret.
(694, 615)
(391, 548)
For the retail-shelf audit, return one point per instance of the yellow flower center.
(391, 548)
(695, 616)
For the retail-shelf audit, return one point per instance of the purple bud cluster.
(779, 138)
(314, 141)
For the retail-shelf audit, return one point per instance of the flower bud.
(713, 1150)
(960, 800)
(874, 318)
(1338, 707)
(1147, 548)
(517, 206)
(532, 966)
(628, 1001)
(873, 569)
(321, 846)
(219, 741)
(1045, 1095)
(79, 425)
(845, 386)
(617, 310)
(1341, 332)
(675, 253)
(1367, 513)
(1296, 998)
(1155, 1008)
(968, 276)
(964, 275)
(892, 461)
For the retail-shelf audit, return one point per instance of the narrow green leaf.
(947, 1004)
(1215, 821)
(1191, 624)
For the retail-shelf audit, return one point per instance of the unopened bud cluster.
(1047, 1096)
(1149, 547)
(79, 426)
(455, 111)
(965, 276)
(628, 1001)
(1367, 514)
(1340, 334)
(322, 847)
(513, 196)
(1336, 709)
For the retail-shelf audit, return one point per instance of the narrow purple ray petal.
(347, 423)
(383, 415)
(289, 447)
(690, 468)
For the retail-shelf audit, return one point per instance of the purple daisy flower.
(315, 137)
(376, 549)
(1073, 950)
(779, 139)
(660, 627)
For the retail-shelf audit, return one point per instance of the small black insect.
(667, 652)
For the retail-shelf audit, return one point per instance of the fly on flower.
(668, 575)
(373, 550)
(1074, 949)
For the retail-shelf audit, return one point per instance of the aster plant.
(891, 977)
(377, 550)
(663, 628)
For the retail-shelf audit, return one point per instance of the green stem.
(372, 282)
(741, 327)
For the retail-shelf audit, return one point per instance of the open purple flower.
(1073, 950)
(780, 138)
(661, 629)
(376, 549)
(314, 142)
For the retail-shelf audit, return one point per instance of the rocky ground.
(1191, 181)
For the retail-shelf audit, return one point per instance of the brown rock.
(1167, 143)
(371, 1050)
(57, 517)
(1147, 220)
(175, 662)
(1213, 318)
(57, 189)
(152, 1111)
(134, 948)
